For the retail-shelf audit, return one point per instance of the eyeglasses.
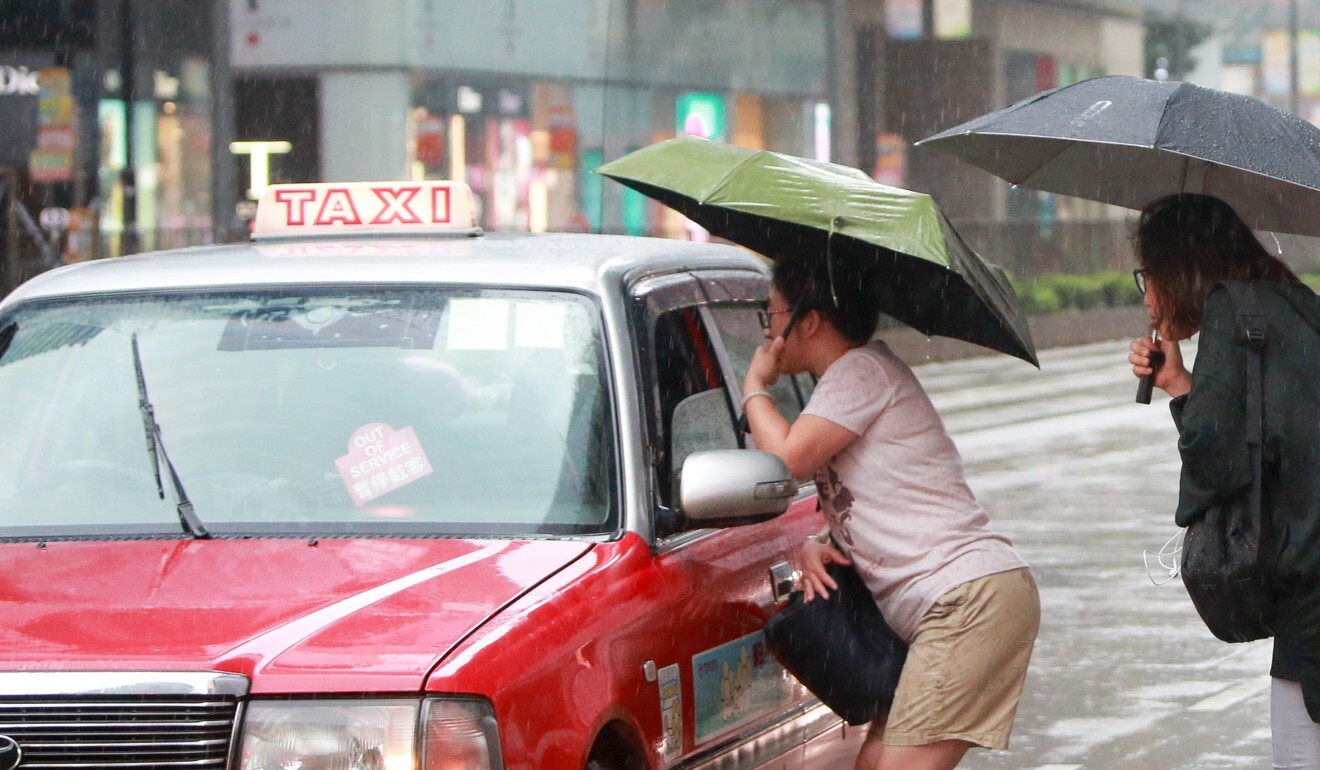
(766, 316)
(1139, 275)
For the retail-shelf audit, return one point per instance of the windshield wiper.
(6, 337)
(156, 448)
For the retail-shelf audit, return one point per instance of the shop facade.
(942, 63)
(523, 100)
(128, 125)
(108, 118)
(46, 57)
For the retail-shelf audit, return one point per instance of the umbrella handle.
(835, 222)
(1146, 384)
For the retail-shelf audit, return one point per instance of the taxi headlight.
(369, 735)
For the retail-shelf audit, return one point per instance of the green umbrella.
(787, 207)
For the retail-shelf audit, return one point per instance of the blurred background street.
(1083, 479)
(130, 125)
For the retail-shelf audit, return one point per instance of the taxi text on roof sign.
(364, 208)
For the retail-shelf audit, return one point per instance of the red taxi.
(380, 491)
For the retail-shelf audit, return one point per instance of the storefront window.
(183, 142)
(171, 162)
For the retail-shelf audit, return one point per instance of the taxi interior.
(258, 394)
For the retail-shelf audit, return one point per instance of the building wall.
(357, 109)
(1016, 49)
(523, 100)
(585, 81)
(767, 46)
(934, 85)
(1123, 47)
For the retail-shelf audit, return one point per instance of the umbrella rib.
(727, 179)
(1071, 144)
(1159, 124)
(1027, 179)
(1243, 169)
(1024, 181)
(1067, 146)
(1182, 184)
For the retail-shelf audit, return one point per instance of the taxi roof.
(587, 262)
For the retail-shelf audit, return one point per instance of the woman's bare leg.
(944, 755)
(869, 756)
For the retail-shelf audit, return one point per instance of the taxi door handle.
(784, 581)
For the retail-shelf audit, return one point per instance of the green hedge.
(1060, 292)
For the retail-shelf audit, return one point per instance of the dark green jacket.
(1216, 461)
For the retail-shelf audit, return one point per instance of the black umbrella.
(1128, 141)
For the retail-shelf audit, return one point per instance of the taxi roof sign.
(346, 209)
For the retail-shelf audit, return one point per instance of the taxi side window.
(694, 404)
(741, 334)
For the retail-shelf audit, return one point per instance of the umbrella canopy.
(792, 208)
(1128, 141)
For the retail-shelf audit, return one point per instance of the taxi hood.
(295, 615)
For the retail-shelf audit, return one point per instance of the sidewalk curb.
(1047, 331)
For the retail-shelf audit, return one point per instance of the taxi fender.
(557, 665)
(624, 726)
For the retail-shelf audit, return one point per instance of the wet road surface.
(1083, 479)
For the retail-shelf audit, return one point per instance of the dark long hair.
(806, 286)
(1187, 243)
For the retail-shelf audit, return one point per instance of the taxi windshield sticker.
(381, 459)
(736, 682)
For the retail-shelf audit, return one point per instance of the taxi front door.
(725, 700)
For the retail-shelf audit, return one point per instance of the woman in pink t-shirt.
(900, 512)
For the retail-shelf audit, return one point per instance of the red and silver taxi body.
(378, 490)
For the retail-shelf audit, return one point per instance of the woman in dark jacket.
(1186, 244)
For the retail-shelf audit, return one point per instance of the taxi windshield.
(307, 411)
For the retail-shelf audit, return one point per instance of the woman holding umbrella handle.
(1186, 245)
(1156, 360)
(892, 490)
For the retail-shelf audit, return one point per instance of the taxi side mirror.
(726, 487)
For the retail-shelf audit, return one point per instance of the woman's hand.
(764, 369)
(1171, 376)
(814, 558)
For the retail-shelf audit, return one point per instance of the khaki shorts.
(966, 664)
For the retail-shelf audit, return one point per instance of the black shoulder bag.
(1227, 553)
(840, 648)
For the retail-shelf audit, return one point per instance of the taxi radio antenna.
(605, 112)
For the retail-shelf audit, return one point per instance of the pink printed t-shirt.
(895, 498)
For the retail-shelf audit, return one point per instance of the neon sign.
(260, 153)
(18, 81)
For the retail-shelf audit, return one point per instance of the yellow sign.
(50, 165)
(52, 161)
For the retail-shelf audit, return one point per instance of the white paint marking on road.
(1058, 767)
(1232, 695)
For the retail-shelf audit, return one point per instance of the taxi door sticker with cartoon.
(735, 683)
